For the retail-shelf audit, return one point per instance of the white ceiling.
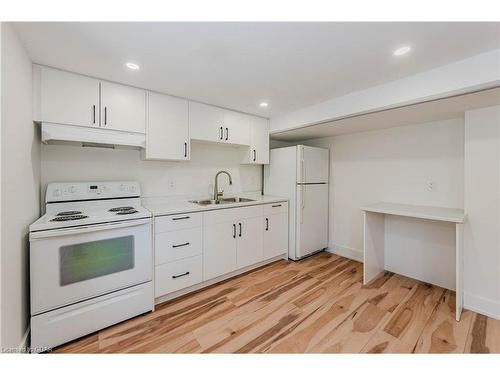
(238, 65)
(434, 110)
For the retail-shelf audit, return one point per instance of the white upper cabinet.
(123, 108)
(236, 128)
(206, 122)
(258, 152)
(72, 99)
(66, 98)
(167, 135)
(214, 124)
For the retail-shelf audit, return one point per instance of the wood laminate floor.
(317, 305)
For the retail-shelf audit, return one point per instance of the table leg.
(459, 270)
(374, 246)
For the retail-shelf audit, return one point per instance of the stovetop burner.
(127, 212)
(119, 209)
(69, 213)
(69, 217)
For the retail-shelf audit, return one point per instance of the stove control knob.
(57, 193)
(72, 189)
(121, 187)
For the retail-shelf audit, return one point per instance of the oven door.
(74, 264)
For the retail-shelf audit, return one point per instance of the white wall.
(482, 205)
(195, 177)
(393, 165)
(20, 185)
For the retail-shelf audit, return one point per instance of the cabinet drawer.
(275, 208)
(175, 245)
(176, 222)
(170, 277)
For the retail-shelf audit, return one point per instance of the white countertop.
(160, 206)
(454, 215)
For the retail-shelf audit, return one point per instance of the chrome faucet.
(217, 193)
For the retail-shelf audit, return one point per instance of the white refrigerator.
(300, 173)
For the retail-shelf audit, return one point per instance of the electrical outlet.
(430, 185)
(171, 184)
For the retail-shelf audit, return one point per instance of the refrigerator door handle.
(303, 202)
(303, 169)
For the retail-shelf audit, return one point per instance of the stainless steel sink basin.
(207, 202)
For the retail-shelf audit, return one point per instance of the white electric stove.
(90, 260)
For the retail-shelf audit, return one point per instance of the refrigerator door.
(312, 219)
(312, 165)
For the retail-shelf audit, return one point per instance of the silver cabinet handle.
(276, 205)
(234, 230)
(254, 155)
(267, 223)
(221, 135)
(240, 229)
(227, 134)
(182, 244)
(93, 114)
(185, 149)
(182, 274)
(105, 116)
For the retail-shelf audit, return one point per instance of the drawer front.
(179, 244)
(59, 326)
(275, 208)
(170, 277)
(176, 222)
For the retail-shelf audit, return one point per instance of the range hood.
(56, 133)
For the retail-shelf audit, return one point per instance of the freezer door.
(312, 219)
(312, 165)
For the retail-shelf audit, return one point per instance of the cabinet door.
(219, 249)
(258, 152)
(249, 248)
(236, 128)
(260, 140)
(123, 108)
(167, 135)
(275, 235)
(67, 98)
(206, 123)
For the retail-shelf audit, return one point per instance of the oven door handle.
(87, 229)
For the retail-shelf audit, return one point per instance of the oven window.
(89, 260)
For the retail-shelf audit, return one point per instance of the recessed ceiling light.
(402, 51)
(132, 66)
(263, 104)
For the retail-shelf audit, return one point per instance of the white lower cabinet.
(232, 239)
(249, 248)
(175, 245)
(178, 252)
(193, 248)
(275, 229)
(173, 276)
(219, 249)
(275, 235)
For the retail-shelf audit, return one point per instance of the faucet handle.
(220, 194)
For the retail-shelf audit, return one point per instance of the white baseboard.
(482, 305)
(346, 252)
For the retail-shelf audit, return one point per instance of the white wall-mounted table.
(375, 234)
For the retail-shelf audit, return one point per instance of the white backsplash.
(157, 178)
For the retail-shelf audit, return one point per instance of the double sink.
(207, 202)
